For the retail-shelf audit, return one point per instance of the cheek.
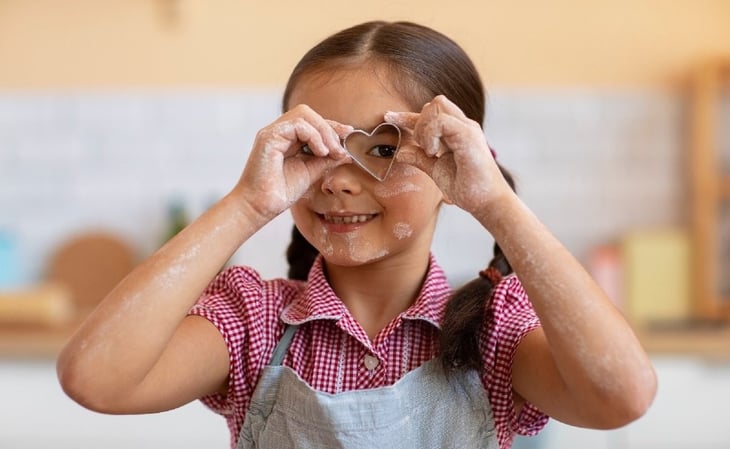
(405, 171)
(403, 179)
(395, 189)
(301, 212)
(412, 219)
(310, 228)
(297, 214)
(402, 230)
(413, 200)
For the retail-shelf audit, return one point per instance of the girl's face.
(348, 215)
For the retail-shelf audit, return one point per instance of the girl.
(365, 346)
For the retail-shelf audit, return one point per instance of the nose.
(342, 180)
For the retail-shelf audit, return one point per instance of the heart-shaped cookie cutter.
(364, 147)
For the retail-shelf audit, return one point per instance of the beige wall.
(108, 43)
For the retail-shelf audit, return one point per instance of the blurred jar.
(9, 260)
(177, 218)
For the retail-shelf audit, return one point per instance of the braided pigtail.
(467, 309)
(300, 254)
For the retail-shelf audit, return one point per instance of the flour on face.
(325, 244)
(402, 231)
(362, 250)
(399, 188)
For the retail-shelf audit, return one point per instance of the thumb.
(415, 156)
(405, 120)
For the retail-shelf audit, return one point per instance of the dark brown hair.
(425, 63)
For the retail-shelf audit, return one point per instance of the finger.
(410, 123)
(447, 106)
(340, 129)
(456, 134)
(410, 119)
(403, 120)
(428, 130)
(414, 155)
(317, 166)
(329, 136)
(441, 131)
(298, 132)
(322, 143)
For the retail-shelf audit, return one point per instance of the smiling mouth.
(348, 219)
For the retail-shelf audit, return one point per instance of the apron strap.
(283, 345)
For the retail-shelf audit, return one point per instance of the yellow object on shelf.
(46, 304)
(657, 275)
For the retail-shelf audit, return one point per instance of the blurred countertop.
(710, 342)
(34, 342)
(36, 321)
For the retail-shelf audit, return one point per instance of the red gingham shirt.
(330, 349)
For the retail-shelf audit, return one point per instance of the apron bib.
(424, 409)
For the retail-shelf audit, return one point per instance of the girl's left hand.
(452, 149)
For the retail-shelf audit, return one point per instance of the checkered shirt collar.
(319, 301)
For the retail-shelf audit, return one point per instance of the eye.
(306, 150)
(383, 151)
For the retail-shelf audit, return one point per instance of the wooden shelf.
(711, 342)
(34, 342)
(709, 189)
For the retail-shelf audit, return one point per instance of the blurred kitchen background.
(120, 121)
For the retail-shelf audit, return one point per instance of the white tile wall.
(591, 164)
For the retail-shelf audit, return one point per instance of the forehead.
(357, 96)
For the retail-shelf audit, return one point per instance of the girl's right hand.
(287, 157)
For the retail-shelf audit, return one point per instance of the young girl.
(365, 346)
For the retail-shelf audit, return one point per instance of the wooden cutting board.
(90, 265)
(47, 304)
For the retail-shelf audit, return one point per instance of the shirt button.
(371, 362)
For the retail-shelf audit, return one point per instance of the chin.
(347, 258)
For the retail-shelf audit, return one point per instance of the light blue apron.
(424, 409)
